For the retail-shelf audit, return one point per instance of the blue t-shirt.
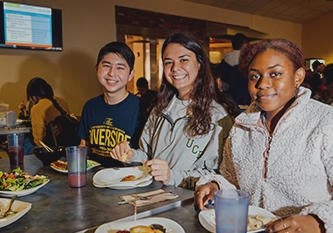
(103, 126)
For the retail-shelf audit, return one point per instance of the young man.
(112, 117)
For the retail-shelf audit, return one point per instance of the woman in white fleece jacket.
(281, 149)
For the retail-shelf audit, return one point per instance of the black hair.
(328, 73)
(238, 40)
(40, 88)
(119, 48)
(142, 83)
(315, 64)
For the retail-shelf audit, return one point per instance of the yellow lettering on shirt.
(105, 138)
(101, 140)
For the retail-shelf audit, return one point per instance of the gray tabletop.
(58, 208)
(6, 130)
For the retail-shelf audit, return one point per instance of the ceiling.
(298, 11)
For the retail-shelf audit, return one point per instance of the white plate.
(123, 187)
(170, 225)
(19, 206)
(207, 217)
(22, 192)
(111, 178)
(92, 163)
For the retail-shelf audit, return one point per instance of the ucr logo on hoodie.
(195, 149)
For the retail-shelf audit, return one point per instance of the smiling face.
(273, 81)
(180, 67)
(113, 73)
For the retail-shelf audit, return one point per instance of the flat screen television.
(24, 26)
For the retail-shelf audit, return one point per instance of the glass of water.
(231, 210)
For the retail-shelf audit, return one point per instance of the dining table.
(56, 207)
(14, 130)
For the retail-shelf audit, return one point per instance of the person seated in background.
(280, 150)
(235, 84)
(143, 88)
(223, 98)
(308, 76)
(147, 97)
(148, 100)
(184, 134)
(43, 110)
(327, 95)
(316, 80)
(111, 117)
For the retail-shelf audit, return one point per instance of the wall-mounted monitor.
(24, 26)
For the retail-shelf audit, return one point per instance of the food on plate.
(145, 169)
(59, 164)
(258, 219)
(128, 178)
(62, 165)
(158, 228)
(10, 213)
(3, 209)
(153, 228)
(256, 222)
(92, 163)
(141, 229)
(18, 180)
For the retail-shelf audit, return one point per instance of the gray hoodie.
(163, 137)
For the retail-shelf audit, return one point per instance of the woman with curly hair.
(280, 150)
(186, 130)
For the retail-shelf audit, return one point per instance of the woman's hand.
(296, 223)
(203, 194)
(122, 152)
(159, 170)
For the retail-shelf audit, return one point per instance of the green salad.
(18, 180)
(91, 163)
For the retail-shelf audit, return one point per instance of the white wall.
(317, 38)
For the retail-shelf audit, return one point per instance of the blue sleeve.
(83, 127)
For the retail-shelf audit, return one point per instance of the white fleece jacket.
(300, 160)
